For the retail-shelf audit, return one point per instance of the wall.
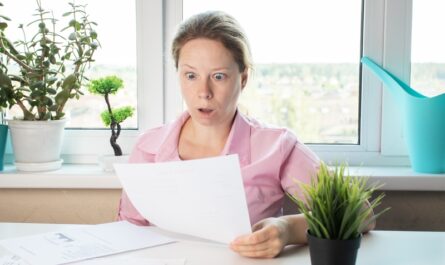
(62, 206)
(410, 210)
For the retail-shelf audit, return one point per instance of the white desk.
(377, 248)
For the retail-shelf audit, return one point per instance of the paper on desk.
(81, 243)
(12, 260)
(202, 197)
(132, 261)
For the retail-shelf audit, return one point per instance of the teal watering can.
(423, 121)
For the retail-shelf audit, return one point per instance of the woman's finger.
(257, 237)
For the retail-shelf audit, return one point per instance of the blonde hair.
(218, 26)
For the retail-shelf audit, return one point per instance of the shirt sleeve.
(299, 166)
(127, 211)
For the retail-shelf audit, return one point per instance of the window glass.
(306, 55)
(117, 55)
(427, 51)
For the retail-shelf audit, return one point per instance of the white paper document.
(202, 197)
(81, 243)
(132, 261)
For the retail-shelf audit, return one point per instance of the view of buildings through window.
(306, 72)
(117, 55)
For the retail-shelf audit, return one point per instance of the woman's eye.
(219, 76)
(190, 76)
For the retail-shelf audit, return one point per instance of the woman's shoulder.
(266, 131)
(151, 138)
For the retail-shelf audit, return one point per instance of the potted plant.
(39, 74)
(337, 209)
(111, 117)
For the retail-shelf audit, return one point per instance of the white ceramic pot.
(37, 144)
(106, 162)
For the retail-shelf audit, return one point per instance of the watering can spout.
(423, 121)
(397, 87)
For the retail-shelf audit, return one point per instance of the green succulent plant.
(337, 205)
(41, 73)
(111, 117)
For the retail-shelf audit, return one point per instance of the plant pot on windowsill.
(37, 144)
(111, 117)
(333, 251)
(3, 138)
(39, 75)
(106, 162)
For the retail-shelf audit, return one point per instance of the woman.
(213, 60)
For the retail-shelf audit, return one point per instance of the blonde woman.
(213, 60)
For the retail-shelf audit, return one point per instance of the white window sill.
(70, 176)
(92, 177)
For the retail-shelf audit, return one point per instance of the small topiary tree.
(111, 117)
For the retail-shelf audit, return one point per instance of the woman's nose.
(205, 91)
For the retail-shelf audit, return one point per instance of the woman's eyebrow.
(187, 65)
(218, 68)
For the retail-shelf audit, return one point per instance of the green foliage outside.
(334, 204)
(318, 102)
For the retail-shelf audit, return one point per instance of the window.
(306, 71)
(369, 131)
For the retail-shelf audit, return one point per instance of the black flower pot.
(333, 252)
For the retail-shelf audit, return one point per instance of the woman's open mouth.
(204, 110)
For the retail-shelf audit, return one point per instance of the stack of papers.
(79, 244)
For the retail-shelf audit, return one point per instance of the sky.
(428, 37)
(116, 24)
(294, 30)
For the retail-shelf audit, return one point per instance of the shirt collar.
(168, 150)
(238, 141)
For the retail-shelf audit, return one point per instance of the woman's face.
(210, 81)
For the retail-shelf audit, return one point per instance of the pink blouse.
(272, 161)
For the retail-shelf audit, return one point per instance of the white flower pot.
(37, 144)
(106, 162)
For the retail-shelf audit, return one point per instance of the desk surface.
(377, 248)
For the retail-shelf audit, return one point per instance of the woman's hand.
(269, 237)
